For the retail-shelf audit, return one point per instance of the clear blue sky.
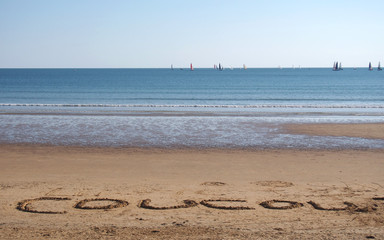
(258, 33)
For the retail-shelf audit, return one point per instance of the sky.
(158, 33)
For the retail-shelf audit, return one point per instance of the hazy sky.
(258, 33)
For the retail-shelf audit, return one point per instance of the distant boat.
(171, 66)
(220, 67)
(370, 67)
(191, 67)
(244, 67)
(337, 66)
(379, 67)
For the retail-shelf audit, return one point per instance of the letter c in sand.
(25, 205)
(208, 203)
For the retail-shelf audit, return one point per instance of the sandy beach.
(68, 192)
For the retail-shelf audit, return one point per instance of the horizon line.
(179, 68)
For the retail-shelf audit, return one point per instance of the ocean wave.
(257, 106)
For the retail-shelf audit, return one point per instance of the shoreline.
(180, 149)
(359, 136)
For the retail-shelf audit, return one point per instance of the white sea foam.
(193, 105)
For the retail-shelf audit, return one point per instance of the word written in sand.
(222, 204)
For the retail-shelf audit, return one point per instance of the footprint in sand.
(213, 184)
(273, 183)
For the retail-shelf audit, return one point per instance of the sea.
(204, 108)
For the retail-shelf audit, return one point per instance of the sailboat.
(191, 67)
(220, 67)
(370, 67)
(171, 66)
(379, 67)
(335, 66)
(245, 67)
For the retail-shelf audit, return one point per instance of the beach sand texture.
(363, 130)
(59, 192)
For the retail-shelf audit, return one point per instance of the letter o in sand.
(291, 204)
(25, 205)
(118, 203)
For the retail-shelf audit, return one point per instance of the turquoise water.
(206, 87)
(182, 108)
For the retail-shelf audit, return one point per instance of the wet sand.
(367, 130)
(59, 192)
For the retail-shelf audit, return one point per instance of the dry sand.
(58, 192)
